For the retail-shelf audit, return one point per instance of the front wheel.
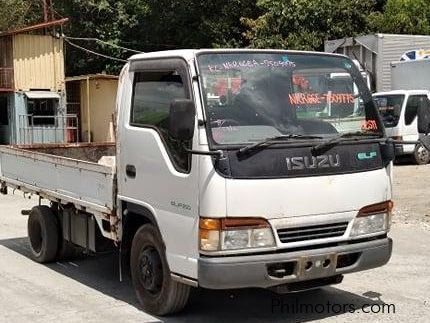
(157, 292)
(421, 155)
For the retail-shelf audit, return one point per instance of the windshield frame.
(355, 75)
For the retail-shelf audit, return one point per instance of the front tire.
(157, 292)
(421, 155)
(43, 234)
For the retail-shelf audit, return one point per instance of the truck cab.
(398, 110)
(234, 179)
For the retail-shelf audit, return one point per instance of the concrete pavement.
(88, 290)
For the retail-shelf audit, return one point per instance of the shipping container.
(376, 52)
(92, 98)
(411, 75)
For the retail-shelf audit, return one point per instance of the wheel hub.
(423, 154)
(151, 271)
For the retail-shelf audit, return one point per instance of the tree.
(103, 19)
(305, 24)
(192, 23)
(149, 25)
(402, 17)
(18, 13)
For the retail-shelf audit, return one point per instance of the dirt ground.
(411, 186)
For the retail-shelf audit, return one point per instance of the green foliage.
(402, 17)
(149, 25)
(18, 13)
(104, 19)
(305, 24)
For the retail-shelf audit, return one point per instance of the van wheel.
(43, 234)
(421, 155)
(158, 294)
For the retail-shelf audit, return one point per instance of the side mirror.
(423, 118)
(181, 119)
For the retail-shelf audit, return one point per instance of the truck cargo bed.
(65, 173)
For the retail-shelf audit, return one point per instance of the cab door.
(155, 172)
(410, 128)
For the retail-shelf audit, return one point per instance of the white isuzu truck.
(227, 173)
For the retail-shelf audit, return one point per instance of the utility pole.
(48, 13)
(45, 10)
(51, 8)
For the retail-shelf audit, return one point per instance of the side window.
(412, 107)
(41, 112)
(153, 93)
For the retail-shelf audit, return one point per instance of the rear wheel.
(157, 292)
(43, 234)
(421, 155)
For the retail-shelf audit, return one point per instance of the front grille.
(312, 232)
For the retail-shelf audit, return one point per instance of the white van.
(398, 110)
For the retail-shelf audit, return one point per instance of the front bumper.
(257, 270)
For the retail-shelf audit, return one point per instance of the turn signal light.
(383, 207)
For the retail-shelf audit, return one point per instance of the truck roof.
(188, 54)
(402, 92)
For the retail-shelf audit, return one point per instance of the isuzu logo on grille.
(305, 162)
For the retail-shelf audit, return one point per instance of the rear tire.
(157, 292)
(43, 234)
(421, 155)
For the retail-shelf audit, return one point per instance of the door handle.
(130, 171)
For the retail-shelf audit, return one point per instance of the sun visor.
(42, 95)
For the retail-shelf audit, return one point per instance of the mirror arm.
(424, 142)
(405, 142)
(216, 153)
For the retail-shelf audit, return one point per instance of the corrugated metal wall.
(411, 75)
(38, 62)
(23, 133)
(392, 47)
(102, 106)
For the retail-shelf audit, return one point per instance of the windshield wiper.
(324, 146)
(271, 140)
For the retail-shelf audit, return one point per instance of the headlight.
(372, 219)
(235, 234)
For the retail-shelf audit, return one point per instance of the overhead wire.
(93, 52)
(103, 42)
(67, 40)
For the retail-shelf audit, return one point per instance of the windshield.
(390, 107)
(250, 96)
